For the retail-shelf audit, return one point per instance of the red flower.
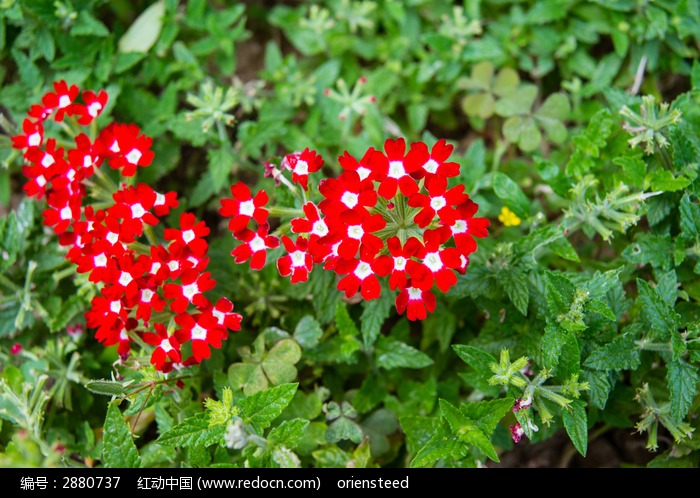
(63, 210)
(439, 262)
(135, 203)
(466, 227)
(202, 331)
(254, 247)
(61, 100)
(352, 230)
(164, 203)
(167, 346)
(346, 192)
(107, 310)
(418, 302)
(96, 259)
(363, 167)
(399, 264)
(147, 299)
(84, 158)
(190, 234)
(298, 263)
(125, 147)
(359, 274)
(33, 135)
(433, 162)
(313, 224)
(223, 313)
(243, 207)
(303, 164)
(124, 277)
(393, 171)
(440, 201)
(190, 290)
(94, 104)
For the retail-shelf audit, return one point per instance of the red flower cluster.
(391, 214)
(139, 284)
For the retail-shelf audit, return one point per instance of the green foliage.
(580, 118)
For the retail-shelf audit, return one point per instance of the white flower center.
(112, 237)
(334, 249)
(437, 203)
(125, 279)
(133, 156)
(94, 109)
(319, 228)
(460, 226)
(100, 261)
(246, 208)
(71, 174)
(166, 346)
(123, 335)
(462, 261)
(301, 167)
(199, 333)
(146, 295)
(257, 244)
(137, 210)
(34, 139)
(363, 172)
(431, 166)
(363, 270)
(433, 262)
(220, 316)
(66, 213)
(396, 169)
(188, 236)
(298, 258)
(415, 294)
(173, 265)
(40, 180)
(114, 147)
(349, 199)
(400, 263)
(160, 200)
(155, 267)
(115, 306)
(47, 160)
(355, 232)
(88, 161)
(63, 101)
(190, 290)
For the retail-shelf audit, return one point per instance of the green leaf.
(480, 360)
(308, 332)
(554, 110)
(509, 192)
(86, 25)
(343, 428)
(517, 103)
(391, 353)
(665, 181)
(374, 313)
(220, 164)
(597, 306)
(622, 353)
(442, 445)
(662, 318)
(346, 325)
(466, 429)
(288, 433)
(515, 284)
(599, 387)
(263, 407)
(560, 293)
(417, 116)
(118, 448)
(193, 431)
(106, 387)
(144, 32)
(280, 360)
(522, 131)
(487, 414)
(690, 218)
(576, 425)
(682, 380)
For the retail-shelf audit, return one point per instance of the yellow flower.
(508, 217)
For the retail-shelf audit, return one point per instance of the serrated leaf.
(511, 194)
(193, 431)
(560, 293)
(682, 380)
(487, 414)
(288, 433)
(418, 430)
(480, 360)
(622, 353)
(690, 218)
(599, 387)
(118, 448)
(106, 387)
(374, 313)
(263, 407)
(308, 332)
(391, 353)
(144, 32)
(597, 306)
(466, 429)
(442, 445)
(662, 318)
(665, 181)
(515, 284)
(576, 425)
(86, 25)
